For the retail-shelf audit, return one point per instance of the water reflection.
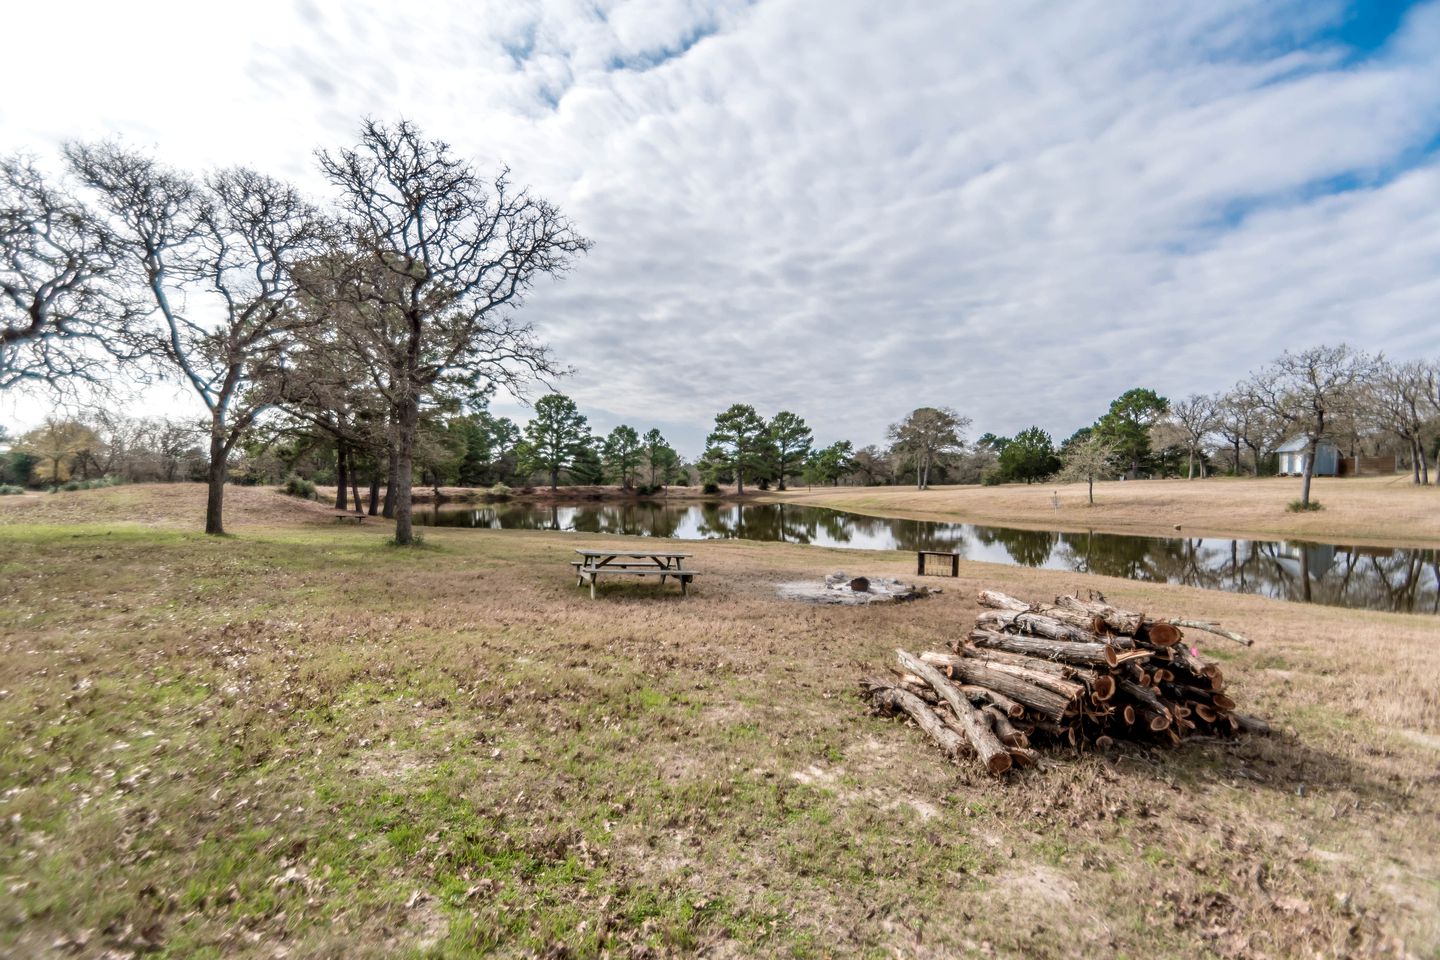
(1376, 578)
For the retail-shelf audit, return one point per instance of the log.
(1004, 729)
(1215, 628)
(1145, 696)
(1068, 689)
(992, 753)
(1011, 708)
(1024, 757)
(1000, 601)
(894, 699)
(1121, 621)
(1249, 724)
(1161, 634)
(1089, 654)
(1047, 703)
(1064, 671)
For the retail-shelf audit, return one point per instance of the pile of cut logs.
(1076, 672)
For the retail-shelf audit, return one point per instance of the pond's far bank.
(1376, 511)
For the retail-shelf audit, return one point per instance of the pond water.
(1374, 578)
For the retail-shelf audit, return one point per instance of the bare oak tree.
(1309, 390)
(214, 260)
(61, 319)
(1196, 417)
(440, 260)
(1402, 398)
(927, 434)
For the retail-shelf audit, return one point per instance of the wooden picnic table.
(635, 563)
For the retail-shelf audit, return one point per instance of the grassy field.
(1370, 510)
(301, 742)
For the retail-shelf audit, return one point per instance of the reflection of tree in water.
(1373, 578)
(1028, 548)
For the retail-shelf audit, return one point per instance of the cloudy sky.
(842, 207)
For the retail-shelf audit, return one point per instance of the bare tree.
(1196, 417)
(1309, 390)
(1402, 398)
(214, 261)
(925, 435)
(1089, 459)
(61, 319)
(441, 258)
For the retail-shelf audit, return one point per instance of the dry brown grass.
(1369, 510)
(171, 504)
(454, 750)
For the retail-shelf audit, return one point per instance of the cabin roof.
(1298, 444)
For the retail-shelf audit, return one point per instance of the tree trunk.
(739, 472)
(1091, 478)
(1417, 456)
(407, 422)
(388, 512)
(1309, 471)
(374, 491)
(354, 482)
(340, 477)
(554, 478)
(215, 479)
(1190, 464)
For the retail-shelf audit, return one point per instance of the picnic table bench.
(637, 563)
(355, 518)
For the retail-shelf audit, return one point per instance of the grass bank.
(1361, 510)
(298, 741)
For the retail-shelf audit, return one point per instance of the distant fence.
(1363, 466)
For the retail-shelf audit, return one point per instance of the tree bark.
(215, 481)
(374, 491)
(354, 481)
(388, 512)
(407, 423)
(340, 477)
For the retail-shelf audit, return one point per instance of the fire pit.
(840, 587)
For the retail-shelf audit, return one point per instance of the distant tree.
(871, 465)
(1308, 391)
(1029, 456)
(1087, 459)
(55, 445)
(1126, 425)
(925, 435)
(661, 459)
(790, 439)
(621, 452)
(213, 262)
(738, 441)
(1402, 398)
(555, 436)
(829, 464)
(588, 467)
(440, 258)
(1196, 416)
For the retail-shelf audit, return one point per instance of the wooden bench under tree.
(355, 518)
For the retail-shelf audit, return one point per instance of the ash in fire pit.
(841, 588)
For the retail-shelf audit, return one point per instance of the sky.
(844, 208)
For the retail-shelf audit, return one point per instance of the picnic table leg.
(593, 578)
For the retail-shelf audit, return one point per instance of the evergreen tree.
(621, 453)
(790, 440)
(1126, 425)
(1030, 456)
(556, 436)
(738, 440)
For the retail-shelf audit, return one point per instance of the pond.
(1373, 578)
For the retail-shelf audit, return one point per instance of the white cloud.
(847, 208)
